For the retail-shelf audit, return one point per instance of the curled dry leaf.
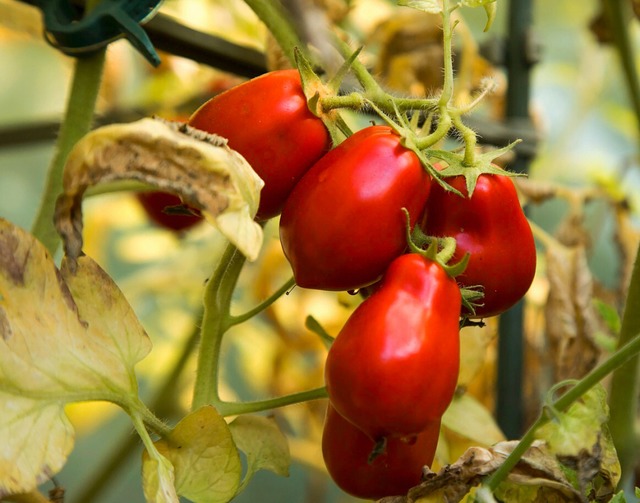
(64, 337)
(537, 470)
(171, 157)
(570, 314)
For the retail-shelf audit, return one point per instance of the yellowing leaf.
(55, 348)
(158, 480)
(263, 443)
(580, 438)
(206, 462)
(199, 167)
(469, 418)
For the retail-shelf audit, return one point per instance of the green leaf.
(204, 457)
(263, 443)
(431, 6)
(64, 337)
(171, 157)
(620, 497)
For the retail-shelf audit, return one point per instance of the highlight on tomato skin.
(268, 122)
(346, 451)
(492, 227)
(343, 222)
(157, 205)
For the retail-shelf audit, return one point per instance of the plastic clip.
(77, 35)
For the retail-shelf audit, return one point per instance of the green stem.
(447, 37)
(77, 122)
(616, 360)
(617, 15)
(215, 320)
(623, 398)
(279, 25)
(469, 138)
(236, 320)
(236, 408)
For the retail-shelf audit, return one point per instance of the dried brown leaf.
(571, 318)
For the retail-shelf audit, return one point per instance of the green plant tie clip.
(76, 35)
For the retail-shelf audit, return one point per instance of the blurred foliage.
(589, 142)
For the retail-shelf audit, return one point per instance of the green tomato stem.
(470, 140)
(77, 122)
(623, 398)
(236, 320)
(279, 25)
(236, 408)
(447, 38)
(624, 365)
(619, 25)
(217, 303)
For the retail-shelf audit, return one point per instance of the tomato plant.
(490, 226)
(343, 224)
(159, 208)
(346, 451)
(267, 120)
(393, 367)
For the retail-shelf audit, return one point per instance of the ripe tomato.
(492, 227)
(393, 367)
(267, 120)
(346, 451)
(343, 224)
(156, 203)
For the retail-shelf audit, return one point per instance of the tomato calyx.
(315, 90)
(441, 250)
(483, 164)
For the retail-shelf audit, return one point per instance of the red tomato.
(492, 227)
(393, 368)
(343, 224)
(346, 451)
(156, 203)
(267, 121)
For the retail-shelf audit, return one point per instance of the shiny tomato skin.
(393, 368)
(268, 122)
(492, 227)
(155, 204)
(346, 450)
(343, 224)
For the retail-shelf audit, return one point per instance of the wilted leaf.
(63, 337)
(469, 418)
(205, 459)
(263, 443)
(570, 316)
(158, 480)
(199, 167)
(537, 476)
(580, 438)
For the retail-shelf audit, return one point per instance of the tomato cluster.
(392, 370)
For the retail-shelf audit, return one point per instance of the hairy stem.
(279, 25)
(235, 408)
(217, 303)
(241, 318)
(77, 122)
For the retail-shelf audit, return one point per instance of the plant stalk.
(215, 320)
(623, 397)
(77, 122)
(236, 408)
